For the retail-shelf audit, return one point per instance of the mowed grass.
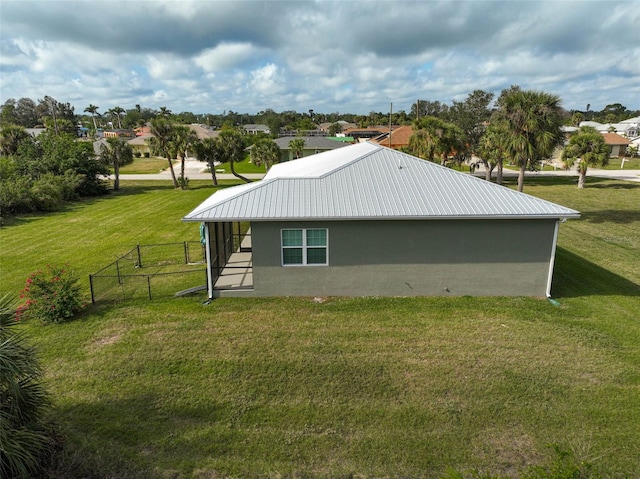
(141, 166)
(365, 387)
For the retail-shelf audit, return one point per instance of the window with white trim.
(305, 246)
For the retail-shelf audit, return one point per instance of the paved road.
(195, 170)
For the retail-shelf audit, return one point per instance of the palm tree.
(93, 110)
(183, 139)
(491, 149)
(265, 151)
(209, 150)
(533, 121)
(426, 140)
(232, 149)
(586, 148)
(117, 153)
(23, 400)
(116, 112)
(164, 112)
(297, 147)
(10, 137)
(160, 143)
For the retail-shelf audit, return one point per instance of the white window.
(304, 247)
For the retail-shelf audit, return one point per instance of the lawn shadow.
(611, 216)
(127, 436)
(574, 277)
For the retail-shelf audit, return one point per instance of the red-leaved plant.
(52, 295)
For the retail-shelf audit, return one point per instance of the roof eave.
(389, 218)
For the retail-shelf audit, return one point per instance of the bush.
(53, 295)
(24, 441)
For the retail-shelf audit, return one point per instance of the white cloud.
(225, 56)
(267, 80)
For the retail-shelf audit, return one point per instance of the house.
(254, 129)
(140, 145)
(617, 143)
(119, 133)
(365, 220)
(399, 137)
(312, 145)
(364, 134)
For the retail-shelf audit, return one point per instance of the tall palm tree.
(533, 124)
(117, 112)
(164, 112)
(586, 148)
(209, 150)
(297, 147)
(93, 110)
(265, 151)
(160, 143)
(117, 153)
(233, 150)
(184, 138)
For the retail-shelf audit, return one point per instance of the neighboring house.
(140, 145)
(142, 130)
(203, 131)
(617, 143)
(312, 145)
(343, 124)
(364, 134)
(119, 133)
(399, 137)
(254, 129)
(98, 144)
(365, 220)
(629, 128)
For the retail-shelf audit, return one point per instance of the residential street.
(195, 170)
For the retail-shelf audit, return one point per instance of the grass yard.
(143, 166)
(244, 166)
(346, 387)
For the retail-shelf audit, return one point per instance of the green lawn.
(141, 166)
(244, 166)
(364, 387)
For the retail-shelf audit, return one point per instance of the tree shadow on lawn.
(574, 277)
(128, 436)
(612, 216)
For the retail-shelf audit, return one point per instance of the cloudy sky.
(348, 56)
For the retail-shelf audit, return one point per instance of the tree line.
(62, 116)
(521, 127)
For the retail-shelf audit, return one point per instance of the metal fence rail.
(150, 271)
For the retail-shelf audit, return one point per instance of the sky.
(354, 56)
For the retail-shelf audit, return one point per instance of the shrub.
(53, 295)
(24, 441)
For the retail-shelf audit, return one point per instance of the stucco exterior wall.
(411, 258)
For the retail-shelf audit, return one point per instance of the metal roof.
(368, 182)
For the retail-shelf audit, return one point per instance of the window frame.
(304, 247)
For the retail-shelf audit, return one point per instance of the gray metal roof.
(365, 182)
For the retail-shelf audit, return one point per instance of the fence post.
(93, 301)
(139, 256)
(149, 285)
(118, 272)
(186, 253)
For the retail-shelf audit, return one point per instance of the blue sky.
(357, 56)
